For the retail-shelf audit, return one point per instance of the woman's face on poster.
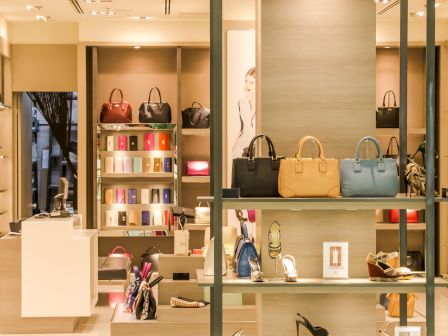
(249, 84)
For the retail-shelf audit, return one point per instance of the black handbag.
(151, 255)
(388, 116)
(415, 261)
(389, 151)
(154, 112)
(196, 116)
(257, 176)
(146, 305)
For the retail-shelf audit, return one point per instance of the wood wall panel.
(318, 70)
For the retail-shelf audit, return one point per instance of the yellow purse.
(309, 177)
(394, 304)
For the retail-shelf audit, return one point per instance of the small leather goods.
(122, 218)
(144, 196)
(209, 259)
(309, 177)
(257, 176)
(166, 195)
(370, 177)
(127, 164)
(132, 217)
(110, 143)
(109, 164)
(196, 116)
(133, 143)
(411, 216)
(108, 196)
(158, 165)
(110, 218)
(164, 143)
(146, 219)
(147, 165)
(202, 214)
(118, 164)
(149, 142)
(393, 306)
(122, 143)
(415, 261)
(132, 196)
(137, 165)
(153, 111)
(120, 196)
(197, 168)
(155, 196)
(388, 116)
(167, 165)
(116, 112)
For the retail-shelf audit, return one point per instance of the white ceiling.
(63, 10)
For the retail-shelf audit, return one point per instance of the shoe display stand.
(307, 91)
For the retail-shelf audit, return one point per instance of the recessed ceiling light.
(387, 47)
(142, 17)
(42, 18)
(103, 12)
(137, 47)
(382, 1)
(31, 7)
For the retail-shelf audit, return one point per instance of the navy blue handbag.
(244, 251)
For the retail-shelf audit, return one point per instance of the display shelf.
(135, 206)
(142, 154)
(231, 284)
(196, 227)
(195, 179)
(440, 282)
(136, 228)
(396, 226)
(340, 203)
(133, 233)
(396, 132)
(196, 131)
(136, 175)
(136, 127)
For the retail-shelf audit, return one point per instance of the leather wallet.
(149, 143)
(110, 143)
(132, 196)
(133, 143)
(118, 164)
(132, 217)
(166, 196)
(146, 220)
(122, 217)
(144, 197)
(157, 165)
(147, 165)
(157, 217)
(155, 196)
(109, 164)
(163, 141)
(137, 165)
(122, 143)
(120, 196)
(167, 167)
(108, 196)
(127, 164)
(110, 218)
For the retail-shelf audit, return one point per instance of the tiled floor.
(99, 323)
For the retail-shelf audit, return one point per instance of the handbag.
(393, 306)
(370, 177)
(209, 259)
(415, 261)
(145, 304)
(196, 117)
(411, 216)
(154, 112)
(202, 214)
(116, 112)
(151, 255)
(245, 250)
(389, 151)
(181, 238)
(388, 116)
(197, 168)
(120, 251)
(180, 211)
(309, 177)
(257, 176)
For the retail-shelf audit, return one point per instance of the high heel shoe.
(381, 270)
(256, 275)
(275, 244)
(239, 333)
(315, 331)
(289, 265)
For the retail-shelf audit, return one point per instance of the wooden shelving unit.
(195, 179)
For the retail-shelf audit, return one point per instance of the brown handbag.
(116, 112)
(394, 305)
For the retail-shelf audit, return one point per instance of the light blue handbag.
(371, 177)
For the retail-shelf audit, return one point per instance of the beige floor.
(99, 323)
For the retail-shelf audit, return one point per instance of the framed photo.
(408, 331)
(335, 260)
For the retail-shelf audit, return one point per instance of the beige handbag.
(202, 214)
(309, 177)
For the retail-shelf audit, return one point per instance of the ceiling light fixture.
(382, 1)
(103, 12)
(142, 17)
(31, 7)
(137, 47)
(42, 18)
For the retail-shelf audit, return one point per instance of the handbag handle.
(152, 248)
(194, 108)
(305, 139)
(388, 98)
(272, 153)
(196, 103)
(208, 204)
(121, 249)
(112, 93)
(389, 146)
(155, 88)
(377, 145)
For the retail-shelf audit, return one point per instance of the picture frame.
(408, 331)
(335, 260)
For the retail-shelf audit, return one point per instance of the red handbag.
(411, 215)
(120, 251)
(116, 112)
(197, 168)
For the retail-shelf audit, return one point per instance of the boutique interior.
(224, 167)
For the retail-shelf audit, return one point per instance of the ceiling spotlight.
(42, 18)
(137, 47)
(387, 47)
(31, 7)
(382, 1)
(106, 12)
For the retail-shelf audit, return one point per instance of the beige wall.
(44, 68)
(389, 30)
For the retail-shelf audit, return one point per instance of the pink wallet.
(197, 168)
(120, 196)
(148, 141)
(122, 142)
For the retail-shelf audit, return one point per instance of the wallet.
(122, 143)
(108, 196)
(144, 197)
(155, 196)
(133, 143)
(110, 216)
(110, 143)
(120, 196)
(146, 220)
(157, 217)
(157, 165)
(109, 164)
(132, 217)
(147, 163)
(163, 141)
(122, 218)
(118, 166)
(149, 144)
(127, 164)
(167, 167)
(132, 196)
(166, 196)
